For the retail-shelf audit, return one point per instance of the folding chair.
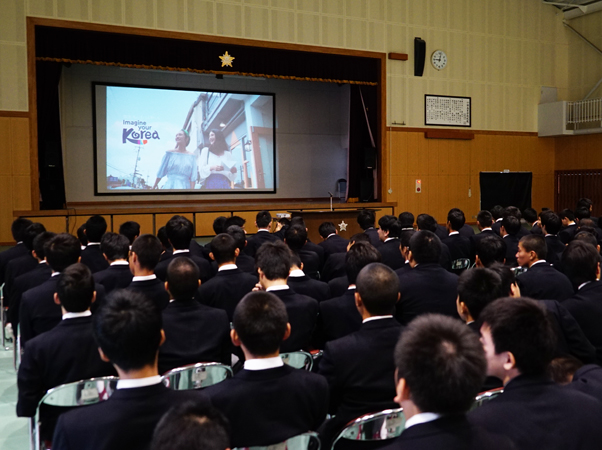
(486, 396)
(298, 360)
(379, 426)
(305, 441)
(196, 376)
(460, 264)
(4, 312)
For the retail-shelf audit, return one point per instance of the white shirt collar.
(263, 363)
(500, 219)
(538, 261)
(331, 234)
(583, 284)
(351, 286)
(184, 250)
(93, 243)
(55, 274)
(278, 287)
(263, 229)
(370, 319)
(120, 263)
(419, 418)
(82, 247)
(144, 277)
(139, 382)
(453, 232)
(296, 273)
(549, 235)
(389, 239)
(74, 315)
(42, 262)
(227, 267)
(486, 229)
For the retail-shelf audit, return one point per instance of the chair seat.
(298, 360)
(379, 426)
(196, 376)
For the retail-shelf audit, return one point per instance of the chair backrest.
(460, 264)
(305, 441)
(298, 360)
(486, 396)
(387, 424)
(196, 376)
(518, 270)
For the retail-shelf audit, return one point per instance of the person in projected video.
(217, 166)
(178, 165)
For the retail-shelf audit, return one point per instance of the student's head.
(580, 262)
(218, 225)
(95, 228)
(61, 251)
(18, 228)
(261, 323)
(234, 220)
(162, 236)
(75, 288)
(440, 365)
(326, 229)
(530, 215)
(425, 222)
(511, 224)
(239, 236)
(81, 235)
(179, 232)
(587, 235)
(147, 249)
(491, 249)
(585, 203)
(404, 240)
(512, 211)
(562, 369)
(273, 260)
(582, 213)
(518, 338)
(182, 278)
(359, 256)
(531, 248)
(224, 249)
(485, 219)
(388, 227)
(127, 328)
(551, 222)
(425, 247)
(130, 230)
(295, 237)
(263, 219)
(377, 287)
(456, 219)
(567, 216)
(497, 212)
(295, 261)
(190, 426)
(509, 287)
(115, 246)
(30, 234)
(406, 219)
(359, 237)
(39, 243)
(476, 289)
(366, 219)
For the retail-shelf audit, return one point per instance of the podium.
(345, 221)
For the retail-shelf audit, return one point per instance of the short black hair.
(442, 362)
(326, 229)
(274, 260)
(491, 249)
(521, 326)
(391, 224)
(551, 221)
(359, 237)
(406, 219)
(512, 211)
(130, 230)
(497, 212)
(511, 224)
(530, 215)
(148, 249)
(219, 225)
(426, 222)
(192, 426)
(263, 219)
(561, 369)
(485, 219)
(183, 278)
(81, 235)
(405, 237)
(366, 218)
(359, 256)
(61, 251)
(567, 214)
(582, 213)
(95, 228)
(584, 203)
(115, 246)
(128, 329)
(580, 262)
(75, 288)
(477, 288)
(425, 247)
(234, 220)
(506, 275)
(223, 247)
(162, 236)
(456, 219)
(588, 235)
(239, 236)
(295, 237)
(18, 228)
(30, 234)
(378, 287)
(260, 320)
(179, 232)
(39, 243)
(535, 243)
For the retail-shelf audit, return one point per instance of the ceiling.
(576, 8)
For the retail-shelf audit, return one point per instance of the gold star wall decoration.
(226, 59)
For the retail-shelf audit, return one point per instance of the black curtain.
(506, 189)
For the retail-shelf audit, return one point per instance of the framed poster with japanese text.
(447, 111)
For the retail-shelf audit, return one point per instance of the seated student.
(309, 245)
(17, 229)
(193, 332)
(440, 367)
(179, 232)
(459, 246)
(130, 230)
(530, 216)
(484, 223)
(334, 268)
(338, 316)
(243, 261)
(230, 284)
(388, 232)
(550, 226)
(267, 402)
(296, 237)
(425, 222)
(192, 427)
(263, 222)
(366, 219)
(128, 332)
(274, 264)
(497, 212)
(302, 284)
(92, 257)
(573, 374)
(116, 249)
(427, 287)
(490, 250)
(81, 236)
(569, 227)
(404, 240)
(509, 232)
(359, 367)
(331, 241)
(476, 289)
(64, 354)
(144, 256)
(515, 212)
(406, 221)
(23, 264)
(533, 411)
(466, 230)
(541, 281)
(165, 244)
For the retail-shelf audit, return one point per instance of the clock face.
(439, 59)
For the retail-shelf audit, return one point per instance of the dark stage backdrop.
(506, 189)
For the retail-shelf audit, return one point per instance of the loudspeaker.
(367, 190)
(419, 56)
(370, 158)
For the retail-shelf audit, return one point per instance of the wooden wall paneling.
(20, 146)
(5, 146)
(21, 194)
(162, 219)
(6, 205)
(56, 224)
(249, 216)
(146, 222)
(204, 223)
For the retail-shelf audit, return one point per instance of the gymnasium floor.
(13, 430)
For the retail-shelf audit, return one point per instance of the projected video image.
(159, 140)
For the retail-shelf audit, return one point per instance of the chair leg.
(32, 433)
